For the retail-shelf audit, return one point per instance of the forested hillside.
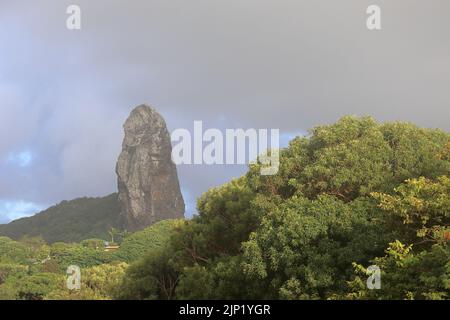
(30, 269)
(68, 221)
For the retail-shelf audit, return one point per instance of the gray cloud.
(285, 64)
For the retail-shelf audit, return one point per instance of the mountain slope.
(69, 221)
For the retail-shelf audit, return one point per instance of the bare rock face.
(149, 190)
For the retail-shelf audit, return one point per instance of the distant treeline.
(69, 221)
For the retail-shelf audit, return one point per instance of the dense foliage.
(347, 196)
(30, 269)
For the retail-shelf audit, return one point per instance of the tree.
(37, 286)
(75, 254)
(154, 277)
(136, 245)
(97, 244)
(311, 244)
(419, 210)
(419, 214)
(97, 283)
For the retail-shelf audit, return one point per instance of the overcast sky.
(64, 95)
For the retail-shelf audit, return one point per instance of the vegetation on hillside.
(30, 269)
(350, 195)
(68, 221)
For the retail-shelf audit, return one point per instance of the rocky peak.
(149, 190)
